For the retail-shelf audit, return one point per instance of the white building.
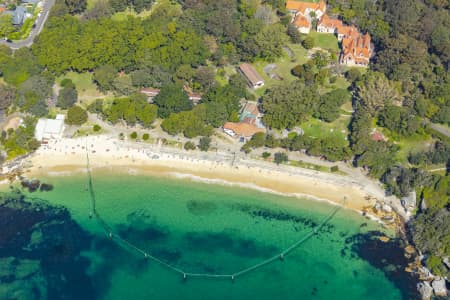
(47, 129)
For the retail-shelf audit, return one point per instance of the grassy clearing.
(172, 143)
(90, 4)
(341, 83)
(223, 74)
(284, 64)
(86, 88)
(165, 7)
(326, 41)
(414, 143)
(306, 165)
(319, 129)
(347, 107)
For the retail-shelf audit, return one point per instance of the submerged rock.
(32, 185)
(45, 187)
(425, 290)
(388, 256)
(40, 248)
(21, 279)
(439, 287)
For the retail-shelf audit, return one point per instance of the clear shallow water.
(216, 229)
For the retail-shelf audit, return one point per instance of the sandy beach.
(66, 156)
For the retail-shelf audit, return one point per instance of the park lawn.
(90, 4)
(326, 41)
(221, 79)
(166, 6)
(347, 107)
(341, 83)
(284, 65)
(227, 71)
(414, 143)
(86, 88)
(319, 129)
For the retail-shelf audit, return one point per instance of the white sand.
(65, 156)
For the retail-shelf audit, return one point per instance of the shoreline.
(66, 156)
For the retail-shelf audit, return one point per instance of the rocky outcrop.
(425, 290)
(386, 208)
(446, 261)
(439, 287)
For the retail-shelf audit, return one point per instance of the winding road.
(46, 7)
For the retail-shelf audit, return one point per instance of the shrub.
(96, 128)
(133, 135)
(76, 116)
(334, 169)
(280, 157)
(246, 148)
(266, 155)
(308, 43)
(204, 144)
(353, 74)
(67, 83)
(189, 145)
(333, 79)
(297, 70)
(145, 136)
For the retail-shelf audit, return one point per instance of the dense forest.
(186, 43)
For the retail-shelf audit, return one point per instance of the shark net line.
(148, 256)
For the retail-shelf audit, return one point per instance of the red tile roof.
(357, 47)
(150, 91)
(376, 136)
(326, 21)
(251, 108)
(243, 129)
(301, 21)
(302, 6)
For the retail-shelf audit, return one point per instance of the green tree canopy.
(104, 77)
(67, 97)
(172, 99)
(288, 104)
(76, 116)
(375, 91)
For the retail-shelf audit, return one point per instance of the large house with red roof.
(356, 48)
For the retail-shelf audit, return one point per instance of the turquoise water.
(204, 228)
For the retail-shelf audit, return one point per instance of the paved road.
(440, 128)
(35, 31)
